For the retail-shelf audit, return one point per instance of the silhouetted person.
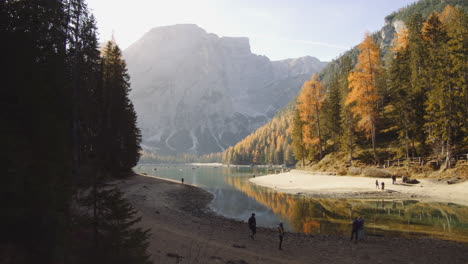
(377, 184)
(383, 186)
(361, 233)
(253, 226)
(393, 179)
(281, 235)
(182, 180)
(354, 229)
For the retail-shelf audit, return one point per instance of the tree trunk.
(319, 134)
(376, 158)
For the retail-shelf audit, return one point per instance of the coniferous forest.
(378, 103)
(68, 128)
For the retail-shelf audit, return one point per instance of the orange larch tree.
(364, 91)
(309, 103)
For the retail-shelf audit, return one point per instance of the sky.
(278, 29)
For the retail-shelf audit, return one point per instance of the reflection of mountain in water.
(333, 216)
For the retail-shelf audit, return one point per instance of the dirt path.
(185, 231)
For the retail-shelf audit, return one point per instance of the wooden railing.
(421, 161)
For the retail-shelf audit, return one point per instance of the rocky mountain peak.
(199, 93)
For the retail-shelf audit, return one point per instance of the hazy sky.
(279, 29)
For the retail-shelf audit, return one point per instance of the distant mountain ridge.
(195, 92)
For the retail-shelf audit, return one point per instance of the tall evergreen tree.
(443, 96)
(298, 143)
(348, 121)
(123, 136)
(331, 112)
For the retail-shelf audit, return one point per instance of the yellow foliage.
(309, 102)
(400, 41)
(362, 83)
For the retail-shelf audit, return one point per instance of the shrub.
(376, 172)
(354, 171)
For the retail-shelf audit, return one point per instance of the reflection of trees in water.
(333, 216)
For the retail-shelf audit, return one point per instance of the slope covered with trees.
(405, 99)
(68, 128)
(270, 144)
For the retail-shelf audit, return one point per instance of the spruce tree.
(347, 119)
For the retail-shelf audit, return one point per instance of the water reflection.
(237, 198)
(406, 218)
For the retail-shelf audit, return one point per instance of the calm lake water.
(235, 197)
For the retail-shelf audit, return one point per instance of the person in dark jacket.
(355, 229)
(377, 184)
(361, 233)
(253, 226)
(281, 233)
(383, 186)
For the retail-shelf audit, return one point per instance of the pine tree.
(364, 90)
(400, 103)
(118, 240)
(298, 143)
(123, 136)
(331, 112)
(444, 104)
(348, 122)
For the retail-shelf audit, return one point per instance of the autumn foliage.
(412, 96)
(309, 104)
(363, 85)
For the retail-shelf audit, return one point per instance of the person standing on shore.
(182, 180)
(354, 229)
(361, 234)
(393, 179)
(281, 235)
(383, 186)
(377, 184)
(253, 226)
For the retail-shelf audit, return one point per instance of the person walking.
(377, 184)
(281, 235)
(383, 186)
(361, 234)
(354, 229)
(253, 226)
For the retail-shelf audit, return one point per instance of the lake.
(235, 197)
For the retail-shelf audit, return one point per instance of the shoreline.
(185, 230)
(317, 185)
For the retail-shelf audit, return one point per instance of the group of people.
(357, 229)
(377, 185)
(253, 229)
(383, 184)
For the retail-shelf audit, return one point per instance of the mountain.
(241, 153)
(195, 92)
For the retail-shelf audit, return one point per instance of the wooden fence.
(419, 161)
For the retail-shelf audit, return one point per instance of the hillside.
(269, 144)
(390, 131)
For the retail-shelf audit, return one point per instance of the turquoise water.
(235, 197)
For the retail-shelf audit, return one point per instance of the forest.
(68, 129)
(378, 103)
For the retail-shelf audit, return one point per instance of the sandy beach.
(318, 185)
(184, 230)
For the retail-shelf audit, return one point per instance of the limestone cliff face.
(195, 92)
